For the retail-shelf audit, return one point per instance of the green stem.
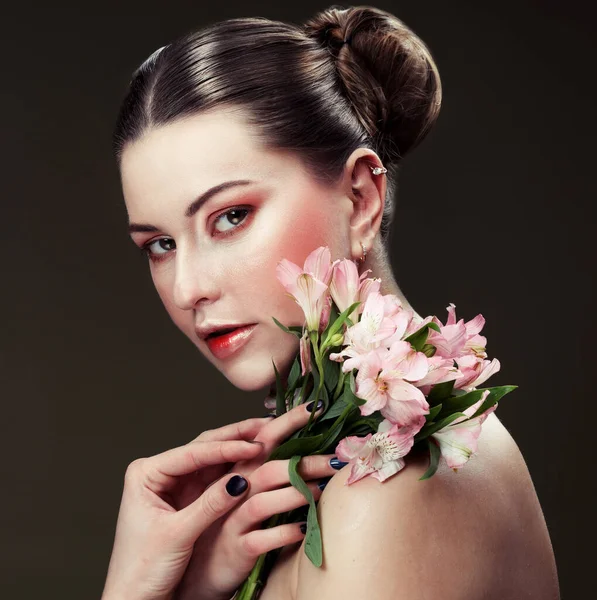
(301, 397)
(338, 389)
(314, 335)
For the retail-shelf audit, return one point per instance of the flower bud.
(336, 340)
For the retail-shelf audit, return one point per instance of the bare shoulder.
(475, 533)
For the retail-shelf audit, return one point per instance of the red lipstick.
(222, 346)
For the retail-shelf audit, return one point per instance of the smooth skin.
(178, 525)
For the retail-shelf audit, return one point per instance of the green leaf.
(333, 432)
(440, 391)
(419, 337)
(334, 411)
(333, 316)
(495, 394)
(459, 392)
(461, 403)
(363, 425)
(313, 544)
(295, 373)
(335, 328)
(280, 403)
(349, 396)
(288, 330)
(302, 446)
(434, 455)
(430, 428)
(331, 371)
(433, 412)
(313, 394)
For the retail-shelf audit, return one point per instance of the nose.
(195, 280)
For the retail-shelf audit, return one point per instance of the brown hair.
(347, 78)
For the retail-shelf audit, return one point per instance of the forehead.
(194, 153)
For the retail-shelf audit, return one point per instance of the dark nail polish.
(309, 406)
(323, 483)
(336, 463)
(304, 527)
(236, 485)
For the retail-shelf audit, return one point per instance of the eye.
(156, 256)
(233, 217)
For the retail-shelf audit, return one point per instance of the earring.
(378, 170)
(362, 259)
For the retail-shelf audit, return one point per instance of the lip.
(223, 346)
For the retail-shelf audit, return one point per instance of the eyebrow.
(195, 205)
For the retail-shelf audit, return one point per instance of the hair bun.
(386, 72)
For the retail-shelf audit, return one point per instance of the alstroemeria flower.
(367, 286)
(382, 382)
(345, 284)
(377, 454)
(366, 335)
(347, 287)
(457, 339)
(458, 441)
(440, 371)
(308, 286)
(475, 371)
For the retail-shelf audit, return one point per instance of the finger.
(162, 470)
(214, 503)
(278, 429)
(260, 541)
(243, 430)
(274, 473)
(260, 507)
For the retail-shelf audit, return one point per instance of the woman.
(239, 145)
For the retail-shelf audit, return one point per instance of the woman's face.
(213, 260)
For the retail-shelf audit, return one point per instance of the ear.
(368, 193)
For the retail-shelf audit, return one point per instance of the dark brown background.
(493, 215)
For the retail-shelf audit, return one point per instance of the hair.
(347, 78)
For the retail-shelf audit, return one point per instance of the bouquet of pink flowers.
(389, 382)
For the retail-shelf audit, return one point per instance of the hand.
(167, 503)
(228, 549)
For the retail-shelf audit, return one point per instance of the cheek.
(293, 236)
(183, 319)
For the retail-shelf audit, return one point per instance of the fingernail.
(304, 527)
(336, 463)
(270, 415)
(323, 483)
(309, 406)
(236, 485)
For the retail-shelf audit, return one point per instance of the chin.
(256, 371)
(251, 377)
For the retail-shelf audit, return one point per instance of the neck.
(381, 268)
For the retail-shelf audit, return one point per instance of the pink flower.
(308, 286)
(367, 286)
(347, 287)
(475, 371)
(382, 382)
(326, 311)
(366, 335)
(379, 454)
(458, 441)
(440, 371)
(345, 284)
(457, 339)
